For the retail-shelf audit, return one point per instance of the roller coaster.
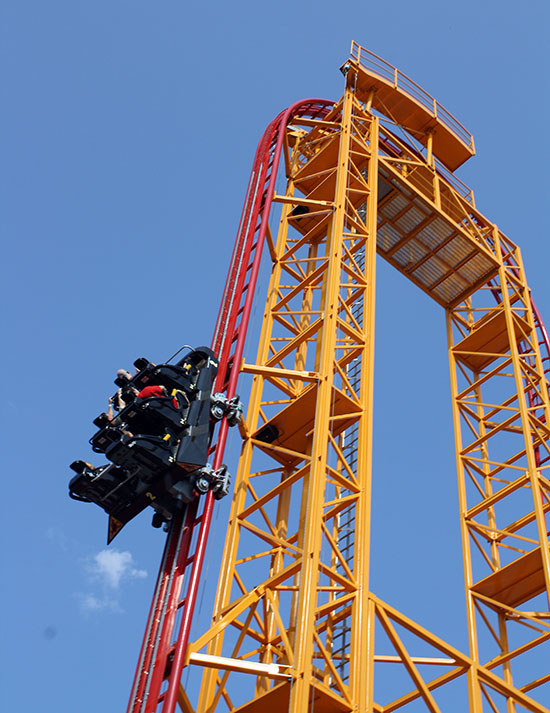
(295, 625)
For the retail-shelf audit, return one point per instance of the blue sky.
(128, 130)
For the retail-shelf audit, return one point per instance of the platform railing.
(386, 71)
(459, 186)
(394, 146)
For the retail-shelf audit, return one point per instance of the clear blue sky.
(128, 129)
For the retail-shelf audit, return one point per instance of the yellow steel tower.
(295, 620)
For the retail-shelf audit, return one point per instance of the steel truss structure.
(295, 626)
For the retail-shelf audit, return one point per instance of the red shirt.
(150, 391)
(159, 391)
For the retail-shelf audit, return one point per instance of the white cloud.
(112, 566)
(106, 570)
(91, 603)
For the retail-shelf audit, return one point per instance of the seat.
(156, 414)
(104, 438)
(150, 454)
(109, 486)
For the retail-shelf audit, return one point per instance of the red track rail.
(162, 656)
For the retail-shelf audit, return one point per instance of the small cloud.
(107, 569)
(112, 566)
(90, 603)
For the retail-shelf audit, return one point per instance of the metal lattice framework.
(501, 412)
(295, 479)
(295, 625)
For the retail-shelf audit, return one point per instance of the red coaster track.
(162, 654)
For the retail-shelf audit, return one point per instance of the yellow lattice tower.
(294, 620)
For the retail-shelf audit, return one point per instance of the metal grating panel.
(410, 220)
(410, 254)
(383, 188)
(435, 233)
(438, 257)
(455, 250)
(450, 288)
(430, 271)
(479, 265)
(387, 237)
(402, 189)
(395, 206)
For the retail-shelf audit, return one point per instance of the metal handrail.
(459, 186)
(386, 71)
(456, 184)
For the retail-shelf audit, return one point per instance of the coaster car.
(157, 446)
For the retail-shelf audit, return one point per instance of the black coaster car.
(158, 446)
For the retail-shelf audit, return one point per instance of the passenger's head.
(124, 374)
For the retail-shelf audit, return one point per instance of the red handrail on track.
(161, 659)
